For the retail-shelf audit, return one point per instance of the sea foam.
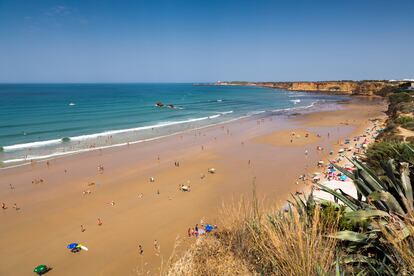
(104, 134)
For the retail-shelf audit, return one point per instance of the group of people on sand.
(197, 231)
(360, 144)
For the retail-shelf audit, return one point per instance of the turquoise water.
(35, 117)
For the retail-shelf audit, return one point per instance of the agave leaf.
(399, 190)
(390, 170)
(362, 188)
(351, 236)
(340, 196)
(373, 183)
(359, 203)
(369, 176)
(406, 183)
(365, 214)
(390, 201)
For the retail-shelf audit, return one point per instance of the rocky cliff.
(348, 87)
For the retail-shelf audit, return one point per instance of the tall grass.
(399, 239)
(255, 240)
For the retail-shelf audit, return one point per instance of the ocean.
(39, 121)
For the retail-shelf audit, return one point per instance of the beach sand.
(73, 192)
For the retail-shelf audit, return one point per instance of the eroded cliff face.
(349, 87)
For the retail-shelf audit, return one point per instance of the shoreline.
(53, 210)
(255, 115)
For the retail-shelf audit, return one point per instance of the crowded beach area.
(126, 210)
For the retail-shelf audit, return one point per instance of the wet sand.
(52, 211)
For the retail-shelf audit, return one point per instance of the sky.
(204, 41)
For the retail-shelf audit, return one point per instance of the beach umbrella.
(40, 269)
(72, 245)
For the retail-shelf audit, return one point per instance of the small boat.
(159, 104)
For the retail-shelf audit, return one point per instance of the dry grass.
(398, 237)
(208, 256)
(255, 240)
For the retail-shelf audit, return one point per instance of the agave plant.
(383, 203)
(391, 193)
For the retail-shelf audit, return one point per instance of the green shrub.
(409, 125)
(404, 119)
(378, 153)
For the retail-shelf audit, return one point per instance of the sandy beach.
(115, 209)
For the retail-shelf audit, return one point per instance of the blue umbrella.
(72, 245)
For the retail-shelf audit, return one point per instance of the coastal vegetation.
(372, 234)
(400, 123)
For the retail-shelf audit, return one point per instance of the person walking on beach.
(99, 222)
(156, 247)
(3, 206)
(196, 230)
(82, 229)
(140, 249)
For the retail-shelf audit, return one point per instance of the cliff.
(348, 87)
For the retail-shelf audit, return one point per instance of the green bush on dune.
(379, 153)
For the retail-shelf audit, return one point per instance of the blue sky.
(198, 41)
